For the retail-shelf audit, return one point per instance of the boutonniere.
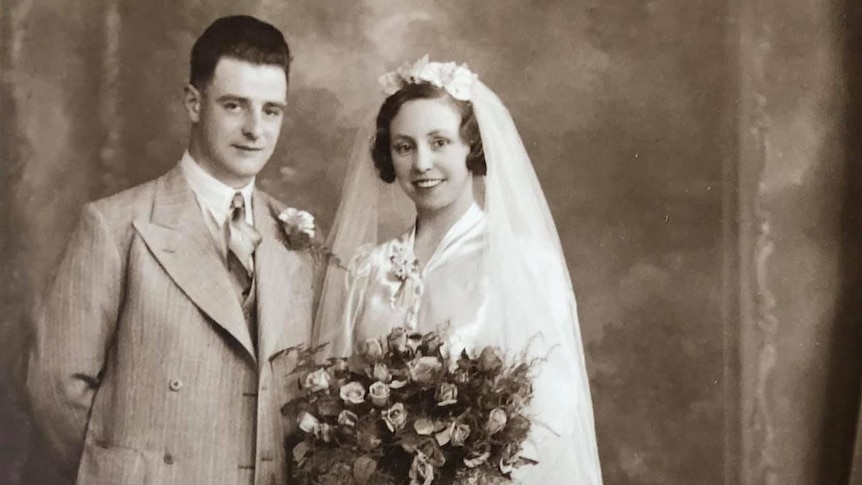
(300, 231)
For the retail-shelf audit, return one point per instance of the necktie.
(242, 241)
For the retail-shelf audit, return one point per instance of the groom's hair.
(238, 37)
(469, 129)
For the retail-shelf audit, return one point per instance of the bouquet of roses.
(402, 410)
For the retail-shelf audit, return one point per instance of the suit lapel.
(284, 282)
(179, 239)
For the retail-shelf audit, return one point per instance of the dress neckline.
(472, 216)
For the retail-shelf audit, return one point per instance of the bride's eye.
(439, 142)
(401, 148)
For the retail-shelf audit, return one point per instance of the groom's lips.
(247, 149)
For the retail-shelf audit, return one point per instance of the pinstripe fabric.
(142, 370)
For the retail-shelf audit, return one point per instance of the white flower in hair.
(456, 80)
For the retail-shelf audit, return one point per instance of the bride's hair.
(469, 129)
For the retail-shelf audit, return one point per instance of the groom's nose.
(252, 127)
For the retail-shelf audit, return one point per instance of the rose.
(423, 426)
(490, 360)
(381, 373)
(324, 432)
(307, 422)
(297, 222)
(432, 452)
(352, 393)
(458, 433)
(347, 418)
(432, 342)
(508, 459)
(474, 459)
(496, 421)
(317, 381)
(460, 375)
(371, 348)
(414, 340)
(446, 394)
(421, 471)
(397, 340)
(395, 417)
(379, 394)
(338, 365)
(423, 370)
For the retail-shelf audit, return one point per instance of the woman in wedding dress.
(479, 254)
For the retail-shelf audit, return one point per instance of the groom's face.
(236, 119)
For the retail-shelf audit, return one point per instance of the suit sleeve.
(74, 326)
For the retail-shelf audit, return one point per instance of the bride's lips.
(427, 183)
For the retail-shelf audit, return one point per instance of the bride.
(482, 256)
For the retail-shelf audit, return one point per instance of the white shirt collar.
(212, 194)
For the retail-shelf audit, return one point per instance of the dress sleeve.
(338, 332)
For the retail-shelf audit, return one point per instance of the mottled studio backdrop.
(623, 106)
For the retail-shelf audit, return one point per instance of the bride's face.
(429, 155)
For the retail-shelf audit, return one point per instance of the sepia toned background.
(698, 157)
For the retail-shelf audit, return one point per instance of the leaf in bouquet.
(363, 469)
(367, 434)
(329, 407)
(300, 451)
(292, 408)
(409, 442)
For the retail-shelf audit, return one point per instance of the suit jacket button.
(169, 459)
(175, 385)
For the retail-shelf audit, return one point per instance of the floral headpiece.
(456, 80)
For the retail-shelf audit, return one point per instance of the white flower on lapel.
(299, 227)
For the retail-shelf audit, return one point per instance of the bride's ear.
(192, 101)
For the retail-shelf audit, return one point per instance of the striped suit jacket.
(143, 369)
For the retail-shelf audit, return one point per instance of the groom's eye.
(231, 106)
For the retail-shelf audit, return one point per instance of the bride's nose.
(423, 160)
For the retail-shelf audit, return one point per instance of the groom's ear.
(192, 102)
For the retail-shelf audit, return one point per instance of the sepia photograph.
(424, 242)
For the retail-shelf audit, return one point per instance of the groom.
(158, 350)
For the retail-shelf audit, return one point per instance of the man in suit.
(159, 353)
